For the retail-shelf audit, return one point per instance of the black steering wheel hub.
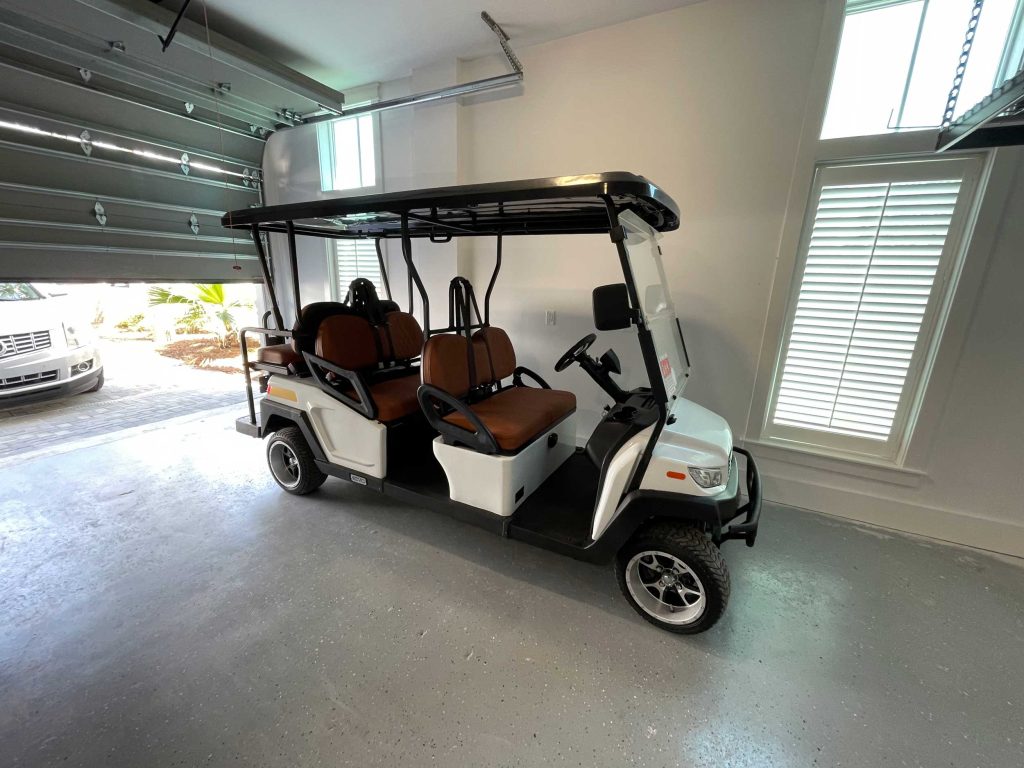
(575, 352)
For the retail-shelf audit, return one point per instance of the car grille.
(28, 379)
(21, 343)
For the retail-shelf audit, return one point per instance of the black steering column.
(600, 370)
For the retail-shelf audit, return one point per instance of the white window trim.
(366, 94)
(378, 185)
(993, 193)
(970, 169)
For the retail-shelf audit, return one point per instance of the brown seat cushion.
(395, 398)
(518, 414)
(278, 354)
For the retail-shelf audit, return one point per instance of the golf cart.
(444, 417)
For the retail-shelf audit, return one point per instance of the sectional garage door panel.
(118, 160)
(56, 263)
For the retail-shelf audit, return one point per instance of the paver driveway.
(142, 387)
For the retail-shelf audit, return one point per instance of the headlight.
(71, 336)
(708, 478)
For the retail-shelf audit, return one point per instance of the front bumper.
(751, 511)
(48, 373)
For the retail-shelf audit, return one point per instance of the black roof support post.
(293, 262)
(268, 281)
(414, 275)
(383, 269)
(490, 285)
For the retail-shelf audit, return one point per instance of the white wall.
(709, 102)
(706, 101)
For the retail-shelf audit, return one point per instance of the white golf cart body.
(655, 456)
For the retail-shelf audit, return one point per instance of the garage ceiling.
(345, 43)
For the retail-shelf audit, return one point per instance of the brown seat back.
(445, 365)
(401, 337)
(499, 354)
(348, 341)
(306, 329)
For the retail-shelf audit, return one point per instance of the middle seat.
(351, 342)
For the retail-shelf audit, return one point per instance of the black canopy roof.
(557, 205)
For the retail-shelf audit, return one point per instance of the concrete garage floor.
(164, 604)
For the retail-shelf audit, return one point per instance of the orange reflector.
(676, 475)
(284, 394)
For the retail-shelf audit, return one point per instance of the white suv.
(42, 353)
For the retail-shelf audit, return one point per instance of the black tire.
(98, 385)
(701, 559)
(291, 462)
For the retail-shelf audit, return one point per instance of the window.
(897, 60)
(348, 157)
(352, 259)
(877, 263)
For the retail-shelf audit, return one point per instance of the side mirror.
(611, 307)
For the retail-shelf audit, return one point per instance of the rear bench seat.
(383, 354)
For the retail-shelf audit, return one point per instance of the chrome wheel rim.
(665, 587)
(284, 464)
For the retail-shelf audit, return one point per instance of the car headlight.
(708, 478)
(71, 336)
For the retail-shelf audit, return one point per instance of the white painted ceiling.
(344, 43)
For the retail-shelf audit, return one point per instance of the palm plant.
(206, 302)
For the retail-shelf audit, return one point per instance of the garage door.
(117, 159)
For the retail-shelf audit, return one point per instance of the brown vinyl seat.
(518, 415)
(350, 342)
(396, 398)
(514, 416)
(278, 354)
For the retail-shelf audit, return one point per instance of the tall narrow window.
(352, 259)
(897, 60)
(879, 257)
(348, 154)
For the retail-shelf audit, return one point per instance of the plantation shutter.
(873, 259)
(356, 258)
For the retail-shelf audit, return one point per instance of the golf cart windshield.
(656, 302)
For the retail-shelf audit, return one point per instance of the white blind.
(356, 258)
(871, 263)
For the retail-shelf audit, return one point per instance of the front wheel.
(292, 463)
(674, 577)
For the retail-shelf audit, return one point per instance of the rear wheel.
(291, 462)
(674, 577)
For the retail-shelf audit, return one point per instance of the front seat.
(504, 421)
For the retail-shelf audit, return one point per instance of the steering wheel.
(576, 351)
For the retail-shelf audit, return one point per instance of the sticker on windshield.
(668, 375)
